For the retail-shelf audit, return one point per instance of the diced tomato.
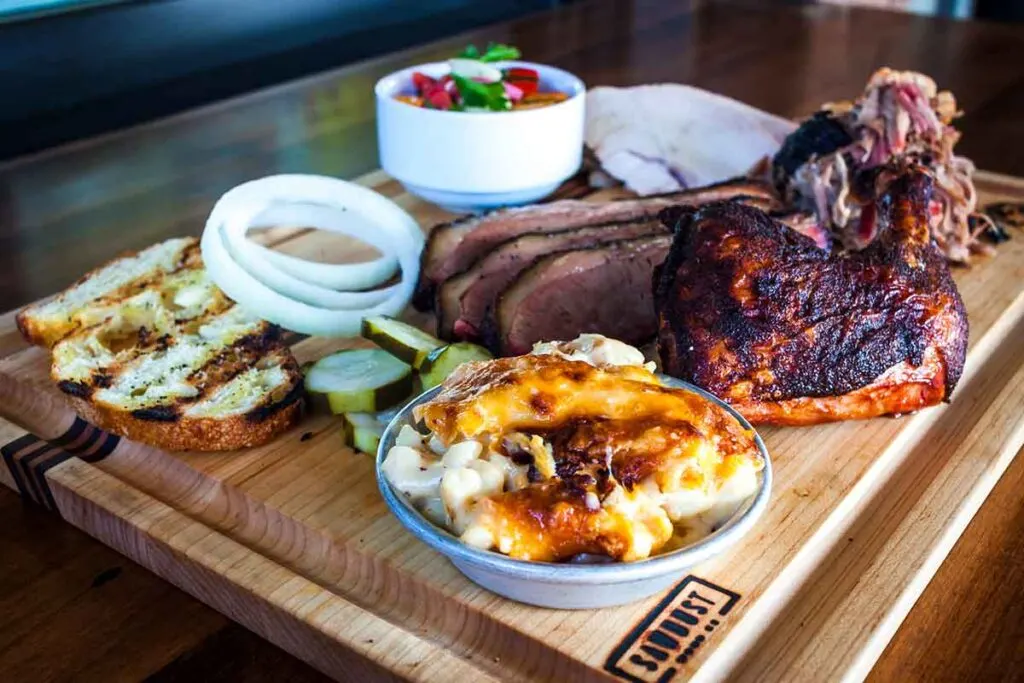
(521, 72)
(433, 91)
(526, 80)
(422, 82)
(438, 98)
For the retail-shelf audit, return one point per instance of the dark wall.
(999, 10)
(71, 75)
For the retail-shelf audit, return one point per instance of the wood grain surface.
(67, 210)
(174, 638)
(291, 538)
(76, 610)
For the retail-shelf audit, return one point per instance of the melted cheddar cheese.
(563, 452)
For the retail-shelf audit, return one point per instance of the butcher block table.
(72, 609)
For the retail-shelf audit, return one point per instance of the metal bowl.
(570, 585)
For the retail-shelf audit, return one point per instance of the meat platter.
(292, 540)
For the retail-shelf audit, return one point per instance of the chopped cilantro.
(496, 52)
(485, 95)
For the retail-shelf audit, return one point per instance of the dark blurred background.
(74, 68)
(71, 69)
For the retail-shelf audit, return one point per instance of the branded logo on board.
(658, 647)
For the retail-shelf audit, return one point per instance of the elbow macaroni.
(455, 485)
(456, 480)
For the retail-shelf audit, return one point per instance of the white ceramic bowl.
(571, 586)
(475, 161)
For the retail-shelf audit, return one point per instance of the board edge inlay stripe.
(28, 458)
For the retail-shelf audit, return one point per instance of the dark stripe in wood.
(21, 443)
(68, 437)
(106, 447)
(9, 451)
(85, 440)
(29, 458)
(56, 457)
(88, 440)
(23, 461)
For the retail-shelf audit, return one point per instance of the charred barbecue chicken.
(793, 334)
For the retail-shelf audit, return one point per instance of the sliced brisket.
(605, 288)
(464, 300)
(454, 247)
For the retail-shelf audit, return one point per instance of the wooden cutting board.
(293, 541)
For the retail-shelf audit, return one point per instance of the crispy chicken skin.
(791, 334)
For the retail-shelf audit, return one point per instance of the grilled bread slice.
(149, 348)
(98, 293)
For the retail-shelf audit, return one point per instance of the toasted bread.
(147, 347)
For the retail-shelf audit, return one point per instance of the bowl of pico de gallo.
(481, 130)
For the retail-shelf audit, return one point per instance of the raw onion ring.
(348, 276)
(284, 299)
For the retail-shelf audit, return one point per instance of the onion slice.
(263, 270)
(348, 276)
(475, 69)
(259, 284)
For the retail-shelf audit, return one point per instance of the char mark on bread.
(165, 413)
(147, 347)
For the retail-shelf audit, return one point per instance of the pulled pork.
(830, 166)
